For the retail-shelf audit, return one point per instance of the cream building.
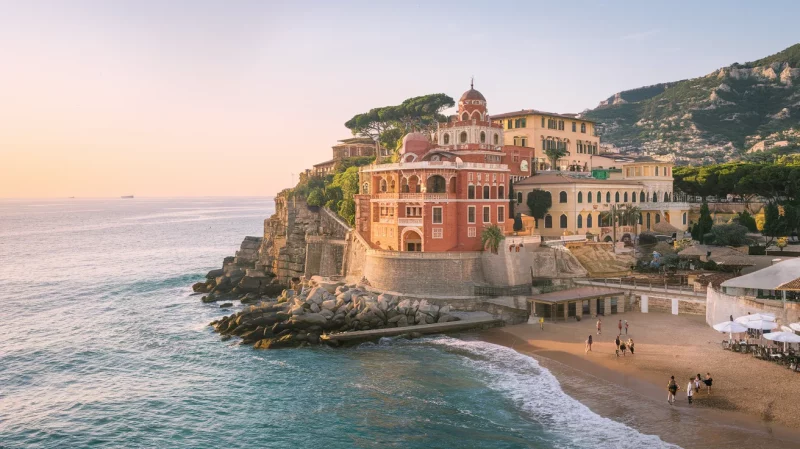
(542, 130)
(580, 198)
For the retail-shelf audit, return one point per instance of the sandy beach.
(753, 403)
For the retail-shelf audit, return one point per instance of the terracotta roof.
(664, 227)
(575, 294)
(793, 286)
(324, 163)
(536, 111)
(553, 178)
(356, 141)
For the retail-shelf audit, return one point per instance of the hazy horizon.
(191, 99)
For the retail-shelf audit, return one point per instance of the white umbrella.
(795, 326)
(754, 317)
(787, 329)
(783, 337)
(730, 327)
(763, 325)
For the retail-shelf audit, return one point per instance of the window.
(599, 197)
(580, 197)
(658, 218)
(486, 192)
(562, 197)
(501, 214)
(580, 221)
(616, 197)
(437, 215)
(625, 197)
(519, 197)
(437, 233)
(583, 128)
(471, 191)
(562, 221)
(413, 211)
(641, 197)
(464, 117)
(469, 176)
(365, 189)
(589, 197)
(656, 170)
(487, 214)
(471, 214)
(447, 139)
(608, 197)
(542, 122)
(496, 139)
(483, 137)
(508, 124)
(523, 122)
(633, 197)
(655, 197)
(548, 221)
(561, 125)
(463, 137)
(471, 232)
(501, 192)
(589, 221)
(573, 130)
(684, 218)
(480, 176)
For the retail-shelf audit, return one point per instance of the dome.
(415, 143)
(472, 94)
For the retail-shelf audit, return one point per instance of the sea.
(103, 345)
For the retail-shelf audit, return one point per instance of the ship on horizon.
(125, 197)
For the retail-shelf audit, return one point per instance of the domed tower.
(472, 105)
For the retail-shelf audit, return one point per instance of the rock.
(403, 321)
(296, 310)
(314, 308)
(275, 343)
(329, 304)
(316, 295)
(328, 314)
(341, 289)
(446, 318)
(415, 335)
(209, 298)
(313, 338)
(225, 305)
(395, 319)
(309, 319)
(252, 284)
(213, 274)
(200, 287)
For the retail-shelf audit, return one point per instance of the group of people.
(692, 388)
(619, 344)
(622, 346)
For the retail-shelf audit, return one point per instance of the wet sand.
(754, 403)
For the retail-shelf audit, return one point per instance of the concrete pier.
(436, 328)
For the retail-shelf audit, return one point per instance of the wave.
(537, 392)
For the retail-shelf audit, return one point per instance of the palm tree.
(613, 213)
(491, 236)
(632, 214)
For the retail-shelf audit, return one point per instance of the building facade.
(446, 188)
(580, 200)
(350, 148)
(543, 130)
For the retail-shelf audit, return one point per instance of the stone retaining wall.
(441, 274)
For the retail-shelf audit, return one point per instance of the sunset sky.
(195, 98)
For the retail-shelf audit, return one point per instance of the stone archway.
(412, 240)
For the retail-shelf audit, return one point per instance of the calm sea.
(102, 345)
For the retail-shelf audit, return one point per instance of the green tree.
(517, 222)
(511, 200)
(539, 203)
(491, 236)
(315, 197)
(554, 154)
(745, 219)
(704, 223)
(774, 222)
(729, 235)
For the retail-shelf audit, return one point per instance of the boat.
(126, 197)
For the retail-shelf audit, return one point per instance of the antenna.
(472, 82)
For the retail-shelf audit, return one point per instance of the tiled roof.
(522, 112)
(552, 178)
(791, 285)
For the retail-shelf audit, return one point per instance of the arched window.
(496, 139)
(589, 197)
(393, 186)
(436, 184)
(655, 197)
(625, 197)
(684, 218)
(404, 186)
(656, 170)
(562, 221)
(548, 221)
(599, 197)
(633, 197)
(648, 221)
(580, 199)
(616, 197)
(447, 139)
(384, 186)
(464, 116)
(463, 137)
(658, 218)
(519, 197)
(580, 221)
(641, 197)
(562, 197)
(589, 221)
(501, 191)
(608, 197)
(486, 191)
(666, 197)
(483, 137)
(365, 190)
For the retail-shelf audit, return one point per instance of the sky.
(234, 98)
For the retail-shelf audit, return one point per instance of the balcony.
(413, 196)
(433, 165)
(410, 221)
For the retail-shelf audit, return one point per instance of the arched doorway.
(436, 184)
(412, 241)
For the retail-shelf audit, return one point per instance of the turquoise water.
(102, 345)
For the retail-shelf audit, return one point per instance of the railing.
(514, 290)
(434, 165)
(411, 196)
(409, 221)
(651, 285)
(386, 220)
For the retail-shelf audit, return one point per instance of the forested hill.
(714, 118)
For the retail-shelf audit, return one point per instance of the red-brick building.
(446, 187)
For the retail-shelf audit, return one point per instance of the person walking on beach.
(599, 324)
(708, 381)
(697, 381)
(588, 344)
(541, 323)
(616, 344)
(622, 347)
(672, 388)
(630, 345)
(689, 391)
(626, 327)
(619, 326)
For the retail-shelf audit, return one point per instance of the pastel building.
(446, 188)
(579, 199)
(350, 148)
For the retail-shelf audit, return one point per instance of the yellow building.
(543, 130)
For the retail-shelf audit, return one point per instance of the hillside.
(714, 118)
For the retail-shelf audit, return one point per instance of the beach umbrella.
(783, 337)
(730, 327)
(787, 329)
(795, 326)
(754, 317)
(762, 325)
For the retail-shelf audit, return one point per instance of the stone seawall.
(440, 274)
(720, 307)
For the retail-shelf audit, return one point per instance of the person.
(672, 388)
(622, 347)
(599, 323)
(697, 381)
(689, 391)
(708, 381)
(616, 344)
(541, 323)
(619, 326)
(588, 344)
(731, 317)
(626, 327)
(630, 345)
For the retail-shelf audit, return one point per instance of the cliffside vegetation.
(713, 118)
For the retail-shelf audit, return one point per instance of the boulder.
(314, 308)
(316, 295)
(329, 304)
(403, 321)
(445, 318)
(225, 305)
(213, 274)
(309, 319)
(200, 287)
(209, 298)
(328, 314)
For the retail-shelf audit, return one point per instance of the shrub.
(647, 238)
(728, 235)
(757, 250)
